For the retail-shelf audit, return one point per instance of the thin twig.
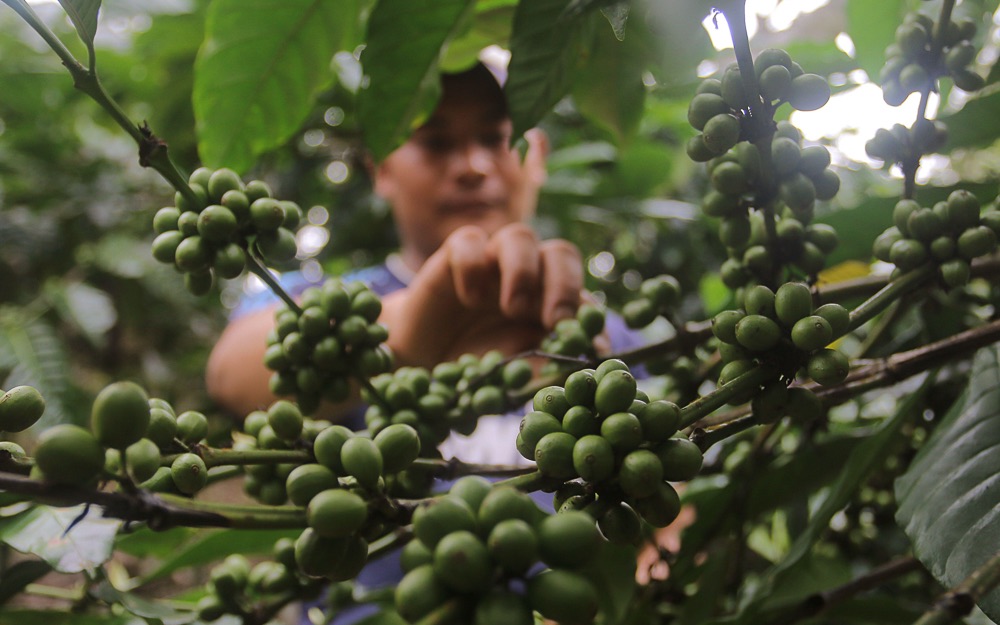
(817, 603)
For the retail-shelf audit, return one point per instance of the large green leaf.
(610, 90)
(490, 25)
(546, 47)
(949, 498)
(83, 14)
(872, 26)
(56, 536)
(401, 62)
(258, 71)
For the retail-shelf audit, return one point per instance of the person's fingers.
(473, 271)
(533, 174)
(562, 270)
(534, 157)
(516, 250)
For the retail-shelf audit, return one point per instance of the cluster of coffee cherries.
(951, 234)
(281, 427)
(364, 463)
(479, 545)
(657, 296)
(574, 337)
(452, 396)
(901, 144)
(803, 177)
(783, 329)
(205, 236)
(719, 105)
(169, 434)
(599, 428)
(334, 335)
(235, 584)
(914, 61)
(129, 435)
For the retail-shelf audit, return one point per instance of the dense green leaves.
(546, 47)
(949, 500)
(610, 89)
(863, 460)
(259, 68)
(400, 60)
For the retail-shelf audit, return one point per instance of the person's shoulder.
(621, 336)
(378, 278)
(261, 297)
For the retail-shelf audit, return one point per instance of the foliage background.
(84, 303)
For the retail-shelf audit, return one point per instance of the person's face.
(455, 170)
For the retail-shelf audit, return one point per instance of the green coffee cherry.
(828, 367)
(142, 459)
(362, 459)
(20, 408)
(120, 414)
(593, 458)
(568, 539)
(68, 454)
(189, 473)
(554, 455)
(615, 392)
(336, 513)
(308, 480)
(434, 520)
(399, 445)
(721, 132)
(811, 333)
(563, 596)
(513, 544)
(462, 562)
(757, 333)
(192, 426)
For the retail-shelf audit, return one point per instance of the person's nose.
(472, 163)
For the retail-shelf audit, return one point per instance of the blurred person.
(470, 275)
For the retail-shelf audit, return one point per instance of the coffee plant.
(790, 446)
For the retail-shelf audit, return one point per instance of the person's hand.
(478, 293)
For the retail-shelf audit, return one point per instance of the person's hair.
(483, 77)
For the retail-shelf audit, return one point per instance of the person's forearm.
(235, 375)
